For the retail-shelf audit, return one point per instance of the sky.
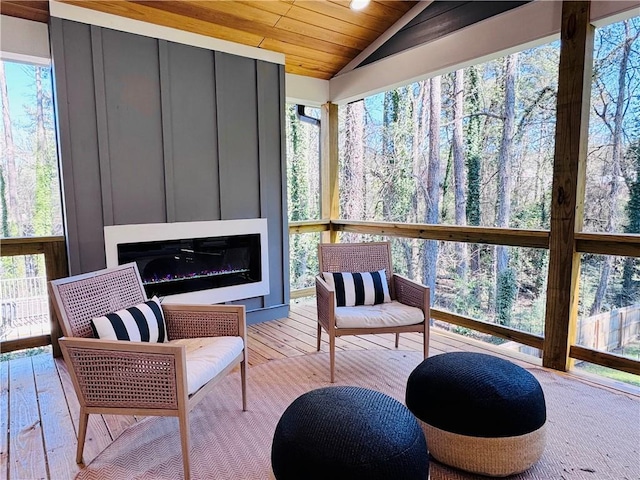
(21, 90)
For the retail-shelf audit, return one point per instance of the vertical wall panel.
(132, 97)
(237, 136)
(193, 133)
(78, 146)
(271, 175)
(104, 160)
(284, 213)
(167, 129)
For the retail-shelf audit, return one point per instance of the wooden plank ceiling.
(38, 11)
(318, 37)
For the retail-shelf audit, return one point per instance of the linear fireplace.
(195, 262)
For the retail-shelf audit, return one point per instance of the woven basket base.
(496, 457)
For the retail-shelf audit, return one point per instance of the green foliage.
(298, 202)
(303, 196)
(633, 205)
(473, 149)
(506, 290)
(43, 215)
(631, 270)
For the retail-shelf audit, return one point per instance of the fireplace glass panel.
(170, 267)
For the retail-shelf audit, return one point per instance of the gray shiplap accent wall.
(153, 131)
(238, 136)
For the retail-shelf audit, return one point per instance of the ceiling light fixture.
(358, 4)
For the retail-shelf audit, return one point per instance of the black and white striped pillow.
(366, 288)
(141, 323)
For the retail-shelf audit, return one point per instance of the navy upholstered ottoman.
(480, 413)
(348, 433)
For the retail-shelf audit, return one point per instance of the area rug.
(593, 432)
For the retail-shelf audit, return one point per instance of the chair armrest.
(122, 374)
(325, 301)
(412, 293)
(195, 321)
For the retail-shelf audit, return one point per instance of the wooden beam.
(309, 226)
(605, 359)
(56, 265)
(303, 292)
(607, 244)
(450, 233)
(26, 245)
(496, 330)
(329, 200)
(23, 343)
(567, 201)
(36, 11)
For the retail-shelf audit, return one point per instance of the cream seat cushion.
(391, 314)
(207, 357)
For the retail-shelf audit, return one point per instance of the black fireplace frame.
(192, 264)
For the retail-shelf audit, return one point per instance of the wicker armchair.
(368, 257)
(137, 378)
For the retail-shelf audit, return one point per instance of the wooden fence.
(610, 331)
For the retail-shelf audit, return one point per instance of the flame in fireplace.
(194, 275)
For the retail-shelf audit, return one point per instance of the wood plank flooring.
(39, 410)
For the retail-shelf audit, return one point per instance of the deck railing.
(585, 243)
(27, 317)
(24, 307)
(54, 252)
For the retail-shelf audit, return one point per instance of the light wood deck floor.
(39, 410)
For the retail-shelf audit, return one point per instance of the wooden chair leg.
(332, 356)
(82, 433)
(183, 419)
(243, 379)
(397, 339)
(425, 340)
(319, 336)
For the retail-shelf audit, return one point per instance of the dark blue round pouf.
(480, 413)
(348, 433)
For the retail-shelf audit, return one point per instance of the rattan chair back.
(356, 257)
(84, 297)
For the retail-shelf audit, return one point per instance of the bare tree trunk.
(40, 131)
(430, 258)
(11, 179)
(42, 214)
(354, 165)
(616, 173)
(504, 160)
(505, 285)
(412, 249)
(459, 171)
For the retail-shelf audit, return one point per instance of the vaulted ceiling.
(317, 37)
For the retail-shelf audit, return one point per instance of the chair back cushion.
(143, 322)
(358, 288)
(357, 257)
(80, 298)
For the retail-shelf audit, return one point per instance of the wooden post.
(329, 200)
(55, 257)
(567, 201)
